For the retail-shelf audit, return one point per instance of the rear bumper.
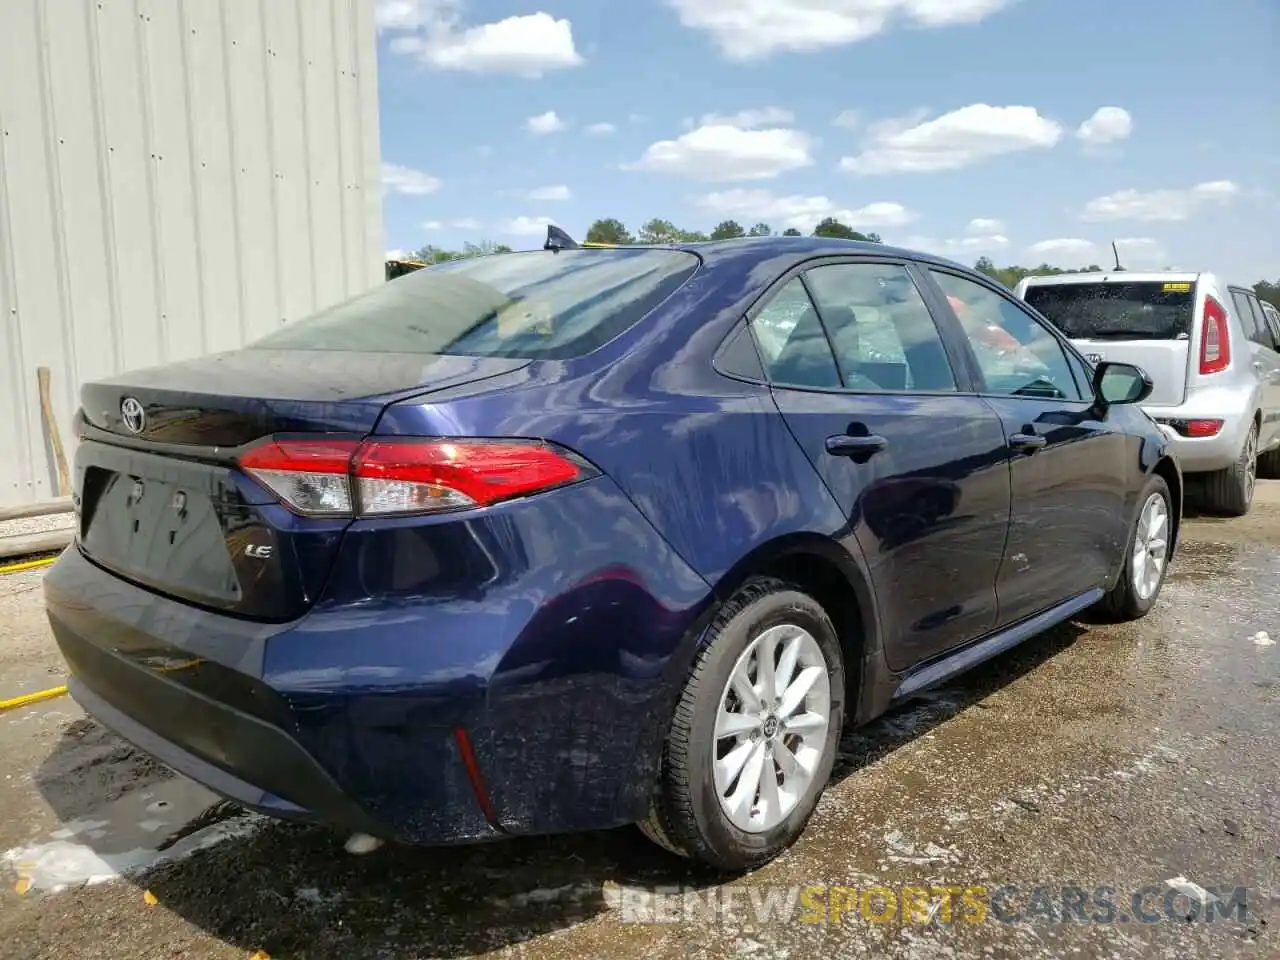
(557, 673)
(1206, 454)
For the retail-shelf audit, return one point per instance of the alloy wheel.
(1150, 546)
(771, 728)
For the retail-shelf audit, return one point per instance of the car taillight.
(1215, 342)
(378, 478)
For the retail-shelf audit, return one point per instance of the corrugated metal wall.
(176, 177)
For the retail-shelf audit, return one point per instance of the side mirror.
(1121, 383)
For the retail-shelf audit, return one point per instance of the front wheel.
(1149, 549)
(754, 736)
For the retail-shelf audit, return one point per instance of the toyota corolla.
(575, 538)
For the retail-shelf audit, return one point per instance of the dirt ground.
(1091, 793)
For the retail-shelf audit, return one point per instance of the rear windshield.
(536, 305)
(1144, 310)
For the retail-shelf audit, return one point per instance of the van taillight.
(1215, 344)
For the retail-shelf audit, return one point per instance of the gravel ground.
(1142, 758)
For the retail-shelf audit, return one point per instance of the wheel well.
(1166, 469)
(823, 580)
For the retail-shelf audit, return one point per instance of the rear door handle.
(843, 445)
(1027, 442)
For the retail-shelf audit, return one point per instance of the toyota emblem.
(131, 412)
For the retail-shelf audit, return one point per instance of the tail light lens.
(378, 478)
(1215, 341)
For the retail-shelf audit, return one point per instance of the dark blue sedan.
(572, 538)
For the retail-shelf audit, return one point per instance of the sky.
(1028, 131)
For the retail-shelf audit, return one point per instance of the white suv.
(1211, 350)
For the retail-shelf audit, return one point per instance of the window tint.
(792, 342)
(738, 357)
(1139, 310)
(1248, 319)
(883, 335)
(1261, 332)
(538, 305)
(1017, 354)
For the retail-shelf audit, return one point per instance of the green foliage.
(609, 230)
(1009, 276)
(791, 232)
(831, 227)
(728, 230)
(432, 254)
(760, 230)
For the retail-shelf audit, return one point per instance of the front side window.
(1016, 353)
(792, 343)
(882, 332)
(536, 305)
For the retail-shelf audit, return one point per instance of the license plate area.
(158, 531)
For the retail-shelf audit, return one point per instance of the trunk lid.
(165, 505)
(1144, 320)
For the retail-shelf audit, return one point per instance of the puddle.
(133, 833)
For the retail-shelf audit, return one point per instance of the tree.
(791, 232)
(659, 231)
(1268, 291)
(608, 230)
(727, 230)
(760, 230)
(692, 236)
(831, 227)
(1010, 275)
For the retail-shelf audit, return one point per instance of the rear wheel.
(1269, 464)
(1146, 558)
(755, 733)
(1230, 491)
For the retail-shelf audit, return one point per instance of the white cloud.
(961, 248)
(462, 223)
(982, 227)
(601, 129)
(749, 119)
(545, 123)
(752, 29)
(432, 31)
(557, 192)
(524, 226)
(801, 212)
(957, 139)
(432, 225)
(1157, 206)
(727, 153)
(848, 119)
(406, 180)
(1065, 252)
(394, 255)
(1107, 125)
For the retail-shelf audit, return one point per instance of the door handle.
(843, 445)
(1027, 442)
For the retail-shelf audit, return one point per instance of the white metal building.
(176, 177)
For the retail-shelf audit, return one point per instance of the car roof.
(744, 250)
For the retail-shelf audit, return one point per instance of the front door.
(1070, 468)
(919, 466)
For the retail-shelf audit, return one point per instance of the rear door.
(916, 460)
(1147, 321)
(1071, 470)
(1264, 356)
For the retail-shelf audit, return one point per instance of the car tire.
(1140, 583)
(715, 730)
(1269, 464)
(1230, 491)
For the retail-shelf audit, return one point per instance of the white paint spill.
(361, 843)
(62, 863)
(74, 828)
(1263, 639)
(1192, 890)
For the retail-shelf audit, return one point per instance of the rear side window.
(1253, 318)
(1137, 310)
(536, 305)
(793, 345)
